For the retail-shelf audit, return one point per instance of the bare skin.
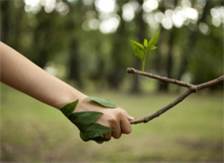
(23, 75)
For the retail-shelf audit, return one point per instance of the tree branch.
(191, 89)
(158, 77)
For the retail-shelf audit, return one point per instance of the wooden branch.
(191, 89)
(158, 77)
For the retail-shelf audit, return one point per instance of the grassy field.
(192, 132)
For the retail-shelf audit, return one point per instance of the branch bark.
(158, 77)
(191, 88)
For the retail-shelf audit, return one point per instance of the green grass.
(192, 132)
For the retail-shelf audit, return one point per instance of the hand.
(115, 118)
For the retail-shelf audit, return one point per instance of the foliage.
(208, 49)
(102, 102)
(86, 120)
(70, 39)
(143, 50)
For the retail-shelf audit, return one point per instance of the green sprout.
(143, 50)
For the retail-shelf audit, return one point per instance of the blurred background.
(87, 44)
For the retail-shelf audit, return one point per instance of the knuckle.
(113, 121)
(120, 112)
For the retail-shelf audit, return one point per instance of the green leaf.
(95, 132)
(139, 45)
(138, 49)
(153, 41)
(84, 119)
(89, 129)
(145, 43)
(154, 47)
(102, 102)
(69, 108)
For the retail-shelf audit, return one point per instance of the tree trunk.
(192, 39)
(164, 87)
(5, 20)
(136, 87)
(74, 63)
(117, 73)
(118, 54)
(41, 34)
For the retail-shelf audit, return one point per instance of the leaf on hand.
(84, 119)
(102, 102)
(138, 49)
(95, 132)
(69, 108)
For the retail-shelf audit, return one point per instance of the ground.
(192, 132)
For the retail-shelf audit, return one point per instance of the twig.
(191, 89)
(158, 77)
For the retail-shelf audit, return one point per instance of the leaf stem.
(143, 64)
(143, 61)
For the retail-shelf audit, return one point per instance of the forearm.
(20, 73)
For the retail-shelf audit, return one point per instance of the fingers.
(130, 118)
(121, 124)
(125, 126)
(116, 129)
(118, 120)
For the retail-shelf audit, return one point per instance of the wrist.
(85, 104)
(70, 97)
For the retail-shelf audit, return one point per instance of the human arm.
(20, 73)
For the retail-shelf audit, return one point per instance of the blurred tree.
(5, 20)
(141, 34)
(206, 62)
(158, 59)
(12, 19)
(72, 33)
(73, 25)
(119, 52)
(41, 34)
(169, 54)
(191, 41)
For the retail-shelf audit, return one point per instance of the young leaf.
(153, 41)
(154, 47)
(145, 43)
(102, 102)
(69, 108)
(139, 45)
(138, 49)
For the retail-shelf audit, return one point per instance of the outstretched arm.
(20, 73)
(23, 75)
